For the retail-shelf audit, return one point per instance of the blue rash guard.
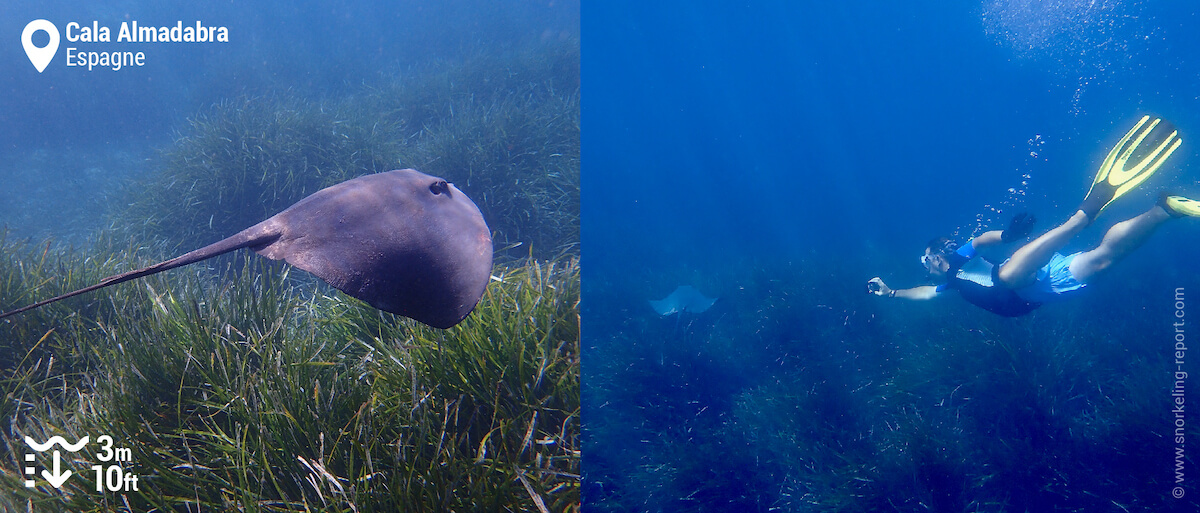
(978, 281)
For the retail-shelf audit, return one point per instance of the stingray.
(684, 299)
(403, 241)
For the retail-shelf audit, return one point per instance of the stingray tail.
(217, 248)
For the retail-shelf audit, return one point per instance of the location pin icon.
(40, 57)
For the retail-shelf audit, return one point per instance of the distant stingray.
(403, 241)
(684, 299)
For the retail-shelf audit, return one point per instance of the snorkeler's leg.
(1119, 241)
(1022, 268)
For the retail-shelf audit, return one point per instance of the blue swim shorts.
(1054, 281)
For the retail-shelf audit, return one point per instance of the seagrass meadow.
(504, 129)
(242, 384)
(793, 393)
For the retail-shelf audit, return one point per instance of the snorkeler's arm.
(987, 239)
(1018, 229)
(879, 288)
(919, 292)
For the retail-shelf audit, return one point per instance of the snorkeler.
(1037, 273)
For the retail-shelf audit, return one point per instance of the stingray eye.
(439, 187)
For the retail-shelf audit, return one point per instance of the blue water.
(67, 135)
(313, 45)
(777, 155)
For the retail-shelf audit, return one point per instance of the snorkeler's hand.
(877, 287)
(1020, 227)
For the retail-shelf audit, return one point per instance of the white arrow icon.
(40, 57)
(56, 479)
